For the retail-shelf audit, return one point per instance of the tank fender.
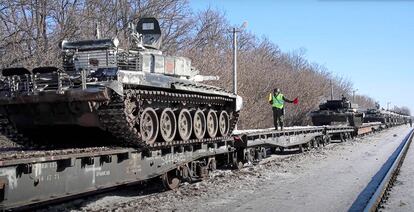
(117, 87)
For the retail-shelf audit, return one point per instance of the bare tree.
(31, 30)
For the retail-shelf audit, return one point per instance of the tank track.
(119, 115)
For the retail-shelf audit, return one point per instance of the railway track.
(389, 172)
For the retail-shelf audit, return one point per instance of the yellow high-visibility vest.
(277, 101)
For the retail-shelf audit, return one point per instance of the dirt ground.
(326, 179)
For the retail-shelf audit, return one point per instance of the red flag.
(296, 101)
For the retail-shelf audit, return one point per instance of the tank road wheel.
(212, 124)
(149, 125)
(184, 124)
(224, 123)
(199, 124)
(168, 124)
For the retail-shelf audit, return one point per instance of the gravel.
(6, 143)
(327, 179)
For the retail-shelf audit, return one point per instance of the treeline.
(31, 30)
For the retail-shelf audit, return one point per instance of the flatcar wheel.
(199, 124)
(184, 124)
(224, 123)
(264, 152)
(328, 140)
(149, 125)
(323, 141)
(301, 148)
(317, 142)
(170, 180)
(311, 144)
(213, 165)
(168, 124)
(341, 136)
(212, 124)
(308, 146)
(238, 165)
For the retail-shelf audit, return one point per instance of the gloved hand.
(296, 101)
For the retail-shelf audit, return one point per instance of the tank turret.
(141, 53)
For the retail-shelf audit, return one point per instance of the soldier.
(277, 100)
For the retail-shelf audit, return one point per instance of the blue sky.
(369, 42)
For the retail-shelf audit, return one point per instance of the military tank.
(374, 115)
(337, 112)
(134, 94)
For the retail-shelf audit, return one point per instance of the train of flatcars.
(32, 178)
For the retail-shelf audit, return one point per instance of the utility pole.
(353, 95)
(235, 31)
(235, 60)
(331, 91)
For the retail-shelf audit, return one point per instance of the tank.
(337, 112)
(374, 115)
(135, 94)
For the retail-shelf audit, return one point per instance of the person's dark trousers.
(278, 117)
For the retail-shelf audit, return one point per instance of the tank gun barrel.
(90, 44)
(201, 78)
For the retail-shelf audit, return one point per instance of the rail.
(378, 197)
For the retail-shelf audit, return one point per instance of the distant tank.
(137, 95)
(393, 118)
(375, 115)
(337, 112)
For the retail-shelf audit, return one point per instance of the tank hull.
(374, 119)
(103, 109)
(50, 108)
(320, 119)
